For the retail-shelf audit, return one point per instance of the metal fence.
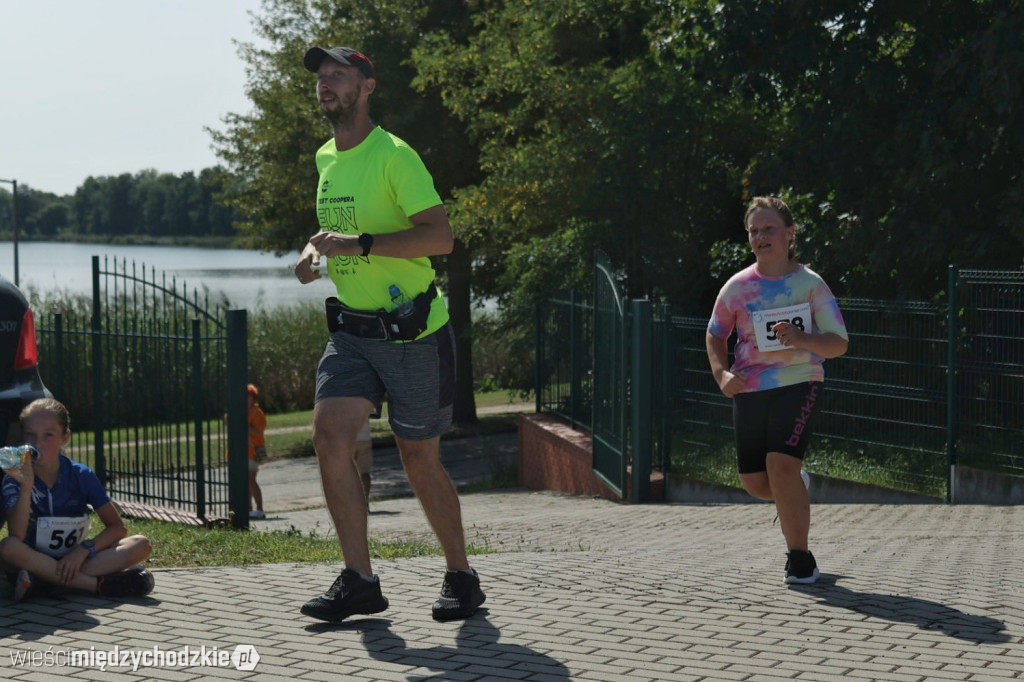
(145, 374)
(611, 384)
(564, 367)
(924, 387)
(987, 349)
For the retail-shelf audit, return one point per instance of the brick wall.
(553, 456)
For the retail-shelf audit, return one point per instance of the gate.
(611, 355)
(986, 389)
(147, 381)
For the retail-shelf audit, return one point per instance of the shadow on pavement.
(477, 647)
(925, 614)
(61, 611)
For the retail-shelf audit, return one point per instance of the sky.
(105, 87)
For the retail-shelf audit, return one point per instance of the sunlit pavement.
(577, 589)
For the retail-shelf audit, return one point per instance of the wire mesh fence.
(924, 385)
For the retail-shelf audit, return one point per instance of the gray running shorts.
(417, 378)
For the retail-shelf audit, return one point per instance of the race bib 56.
(58, 535)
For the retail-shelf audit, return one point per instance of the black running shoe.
(460, 596)
(133, 582)
(349, 595)
(801, 568)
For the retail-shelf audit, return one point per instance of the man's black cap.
(343, 55)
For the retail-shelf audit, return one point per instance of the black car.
(20, 382)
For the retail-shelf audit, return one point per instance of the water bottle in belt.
(406, 321)
(401, 305)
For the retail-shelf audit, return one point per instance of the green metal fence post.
(238, 418)
(197, 423)
(952, 341)
(574, 361)
(640, 390)
(663, 406)
(622, 385)
(98, 384)
(538, 354)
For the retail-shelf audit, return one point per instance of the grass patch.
(289, 435)
(180, 546)
(711, 456)
(905, 468)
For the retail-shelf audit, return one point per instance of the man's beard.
(341, 116)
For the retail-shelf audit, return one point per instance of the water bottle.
(403, 322)
(401, 305)
(11, 457)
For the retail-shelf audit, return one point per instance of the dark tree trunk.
(459, 274)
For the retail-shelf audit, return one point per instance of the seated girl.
(46, 501)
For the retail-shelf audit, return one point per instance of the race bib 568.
(765, 320)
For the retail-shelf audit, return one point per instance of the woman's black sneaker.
(801, 568)
(460, 596)
(349, 595)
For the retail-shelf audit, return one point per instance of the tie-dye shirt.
(751, 304)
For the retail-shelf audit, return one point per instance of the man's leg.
(436, 493)
(336, 422)
(461, 595)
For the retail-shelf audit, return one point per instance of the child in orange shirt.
(257, 451)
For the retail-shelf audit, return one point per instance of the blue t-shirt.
(77, 488)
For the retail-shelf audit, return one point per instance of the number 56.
(58, 540)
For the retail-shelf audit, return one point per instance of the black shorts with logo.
(776, 420)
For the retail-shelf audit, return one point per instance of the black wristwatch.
(366, 241)
(89, 545)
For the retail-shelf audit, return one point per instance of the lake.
(246, 279)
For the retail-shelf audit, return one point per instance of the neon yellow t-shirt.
(374, 188)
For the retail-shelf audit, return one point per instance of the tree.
(643, 127)
(148, 204)
(153, 199)
(120, 208)
(602, 124)
(901, 136)
(51, 220)
(40, 214)
(86, 207)
(211, 217)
